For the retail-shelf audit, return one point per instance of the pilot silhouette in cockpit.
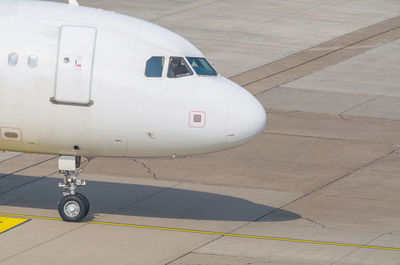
(179, 68)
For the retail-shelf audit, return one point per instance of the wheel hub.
(71, 209)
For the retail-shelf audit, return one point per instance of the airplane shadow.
(138, 200)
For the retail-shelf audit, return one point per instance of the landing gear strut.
(73, 207)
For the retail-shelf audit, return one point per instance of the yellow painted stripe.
(7, 223)
(212, 233)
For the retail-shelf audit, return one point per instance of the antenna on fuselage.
(73, 2)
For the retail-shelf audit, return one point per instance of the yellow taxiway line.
(208, 232)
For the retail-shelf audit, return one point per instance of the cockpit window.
(178, 68)
(154, 66)
(201, 66)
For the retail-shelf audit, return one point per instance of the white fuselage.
(127, 114)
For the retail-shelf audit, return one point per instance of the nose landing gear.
(73, 207)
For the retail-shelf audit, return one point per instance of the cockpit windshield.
(201, 66)
(178, 68)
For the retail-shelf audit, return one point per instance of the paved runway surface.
(319, 186)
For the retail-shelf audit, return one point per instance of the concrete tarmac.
(318, 186)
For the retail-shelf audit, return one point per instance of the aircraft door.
(75, 65)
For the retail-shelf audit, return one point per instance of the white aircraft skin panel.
(132, 115)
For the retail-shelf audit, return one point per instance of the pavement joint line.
(42, 243)
(327, 138)
(28, 167)
(355, 250)
(182, 10)
(203, 232)
(331, 49)
(331, 182)
(360, 104)
(142, 199)
(358, 44)
(243, 28)
(27, 183)
(10, 158)
(319, 58)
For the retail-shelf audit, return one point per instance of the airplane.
(84, 82)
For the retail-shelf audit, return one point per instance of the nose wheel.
(73, 207)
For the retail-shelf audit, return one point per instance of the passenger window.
(13, 59)
(32, 61)
(178, 68)
(154, 66)
(201, 66)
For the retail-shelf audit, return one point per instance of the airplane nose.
(246, 118)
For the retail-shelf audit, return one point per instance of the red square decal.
(197, 118)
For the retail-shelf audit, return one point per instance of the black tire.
(72, 208)
(85, 200)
